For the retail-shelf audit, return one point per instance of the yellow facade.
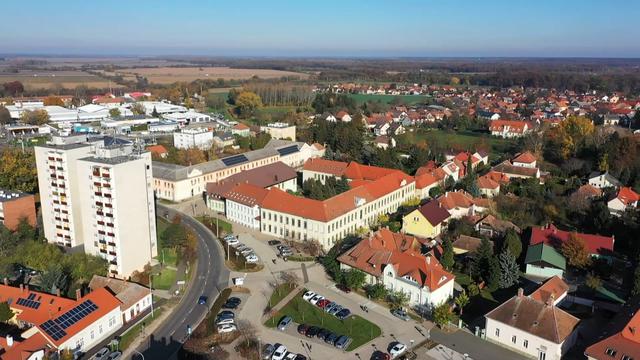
(416, 224)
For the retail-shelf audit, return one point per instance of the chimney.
(520, 292)
(550, 300)
(9, 339)
(78, 294)
(58, 292)
(428, 259)
(5, 281)
(21, 287)
(26, 287)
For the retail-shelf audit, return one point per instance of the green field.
(406, 99)
(165, 279)
(280, 292)
(458, 140)
(359, 329)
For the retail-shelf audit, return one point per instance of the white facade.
(188, 117)
(243, 214)
(119, 211)
(280, 131)
(95, 333)
(527, 343)
(418, 295)
(602, 181)
(136, 309)
(200, 138)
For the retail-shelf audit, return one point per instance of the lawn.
(168, 256)
(359, 329)
(210, 222)
(165, 280)
(460, 140)
(280, 292)
(161, 225)
(406, 99)
(127, 338)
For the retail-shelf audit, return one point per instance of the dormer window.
(611, 352)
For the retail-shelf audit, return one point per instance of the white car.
(314, 300)
(308, 295)
(101, 354)
(251, 258)
(397, 350)
(226, 328)
(240, 247)
(246, 251)
(225, 321)
(280, 353)
(232, 242)
(291, 356)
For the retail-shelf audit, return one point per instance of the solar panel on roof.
(234, 160)
(288, 150)
(28, 303)
(76, 314)
(31, 296)
(53, 330)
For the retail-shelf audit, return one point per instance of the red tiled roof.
(240, 126)
(434, 213)
(22, 350)
(525, 157)
(335, 168)
(588, 190)
(425, 180)
(552, 236)
(553, 287)
(157, 149)
(514, 126)
(624, 343)
(627, 196)
(458, 199)
(486, 182)
(402, 252)
(50, 305)
(246, 194)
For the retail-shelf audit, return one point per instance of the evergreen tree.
(512, 243)
(492, 277)
(509, 269)
(447, 260)
(481, 260)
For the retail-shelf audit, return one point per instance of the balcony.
(111, 234)
(99, 203)
(95, 183)
(101, 232)
(60, 177)
(108, 215)
(102, 241)
(100, 222)
(110, 225)
(106, 185)
(106, 175)
(113, 262)
(112, 253)
(108, 205)
(103, 251)
(111, 243)
(97, 193)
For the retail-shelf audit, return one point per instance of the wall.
(553, 351)
(416, 224)
(93, 334)
(544, 272)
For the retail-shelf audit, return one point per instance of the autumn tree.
(114, 113)
(6, 313)
(138, 109)
(53, 100)
(191, 156)
(575, 250)
(572, 134)
(35, 117)
(398, 299)
(5, 116)
(593, 281)
(247, 103)
(18, 170)
(442, 315)
(14, 88)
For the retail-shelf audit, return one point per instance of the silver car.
(101, 354)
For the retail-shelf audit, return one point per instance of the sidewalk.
(281, 304)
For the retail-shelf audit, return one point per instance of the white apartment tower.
(109, 198)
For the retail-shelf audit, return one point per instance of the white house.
(395, 260)
(135, 299)
(625, 199)
(242, 204)
(532, 325)
(200, 138)
(188, 117)
(603, 180)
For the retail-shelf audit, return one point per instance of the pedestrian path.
(282, 303)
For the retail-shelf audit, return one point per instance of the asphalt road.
(211, 276)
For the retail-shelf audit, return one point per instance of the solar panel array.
(56, 327)
(234, 160)
(28, 303)
(288, 150)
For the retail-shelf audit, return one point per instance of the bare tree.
(290, 278)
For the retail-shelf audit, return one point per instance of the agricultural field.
(48, 79)
(407, 99)
(458, 140)
(168, 75)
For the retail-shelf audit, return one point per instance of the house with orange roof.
(460, 203)
(424, 183)
(158, 150)
(343, 116)
(320, 169)
(242, 204)
(54, 323)
(625, 199)
(487, 186)
(525, 159)
(623, 345)
(395, 260)
(509, 128)
(241, 129)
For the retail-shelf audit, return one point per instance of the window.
(513, 339)
(611, 352)
(626, 357)
(542, 355)
(497, 332)
(525, 344)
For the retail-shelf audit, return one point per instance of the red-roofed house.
(460, 203)
(343, 116)
(241, 130)
(395, 261)
(625, 199)
(242, 204)
(525, 159)
(623, 345)
(597, 245)
(487, 186)
(158, 150)
(509, 128)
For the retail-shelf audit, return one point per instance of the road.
(211, 276)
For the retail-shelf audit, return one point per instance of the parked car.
(283, 247)
(202, 300)
(400, 314)
(284, 323)
(231, 303)
(379, 355)
(225, 321)
(237, 244)
(252, 258)
(291, 356)
(285, 253)
(330, 306)
(336, 309)
(227, 328)
(274, 242)
(343, 314)
(308, 295)
(229, 236)
(397, 350)
(247, 251)
(267, 351)
(314, 300)
(280, 353)
(302, 329)
(300, 357)
(241, 247)
(343, 288)
(115, 355)
(312, 331)
(331, 338)
(342, 342)
(101, 354)
(323, 333)
(322, 303)
(225, 314)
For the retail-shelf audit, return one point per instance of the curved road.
(211, 276)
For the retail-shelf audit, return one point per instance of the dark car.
(312, 331)
(323, 333)
(274, 242)
(226, 315)
(300, 357)
(302, 329)
(202, 300)
(232, 303)
(343, 288)
(343, 314)
(379, 355)
(342, 342)
(331, 338)
(400, 314)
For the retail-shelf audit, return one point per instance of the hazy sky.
(589, 28)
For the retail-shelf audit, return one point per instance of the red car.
(322, 303)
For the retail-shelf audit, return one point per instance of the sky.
(331, 28)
